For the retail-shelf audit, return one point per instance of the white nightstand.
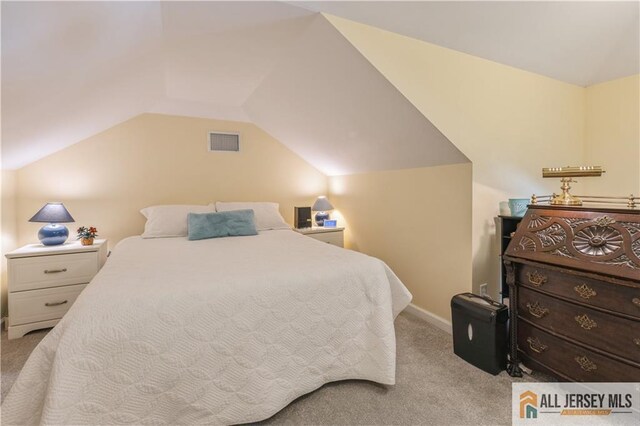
(333, 236)
(44, 281)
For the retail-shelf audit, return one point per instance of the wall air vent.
(224, 141)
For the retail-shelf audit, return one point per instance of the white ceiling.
(73, 69)
(70, 70)
(217, 52)
(328, 104)
(579, 42)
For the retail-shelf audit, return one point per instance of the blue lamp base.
(53, 234)
(320, 217)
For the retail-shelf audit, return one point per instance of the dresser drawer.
(610, 333)
(572, 361)
(29, 273)
(333, 238)
(619, 298)
(42, 305)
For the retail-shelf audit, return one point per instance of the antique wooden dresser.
(574, 281)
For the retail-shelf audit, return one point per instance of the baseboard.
(429, 317)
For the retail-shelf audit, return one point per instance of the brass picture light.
(566, 174)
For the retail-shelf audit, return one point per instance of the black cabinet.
(506, 227)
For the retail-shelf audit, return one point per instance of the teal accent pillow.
(221, 224)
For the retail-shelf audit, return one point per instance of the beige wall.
(152, 159)
(418, 221)
(8, 229)
(158, 159)
(510, 123)
(433, 226)
(613, 136)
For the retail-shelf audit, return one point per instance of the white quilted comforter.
(218, 331)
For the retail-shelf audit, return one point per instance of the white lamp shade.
(322, 205)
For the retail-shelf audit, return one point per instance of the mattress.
(218, 331)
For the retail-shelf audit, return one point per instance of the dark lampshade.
(52, 213)
(322, 204)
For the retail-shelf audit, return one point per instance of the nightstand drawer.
(29, 273)
(42, 305)
(333, 238)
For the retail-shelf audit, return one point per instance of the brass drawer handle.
(535, 345)
(54, 271)
(536, 278)
(585, 363)
(585, 291)
(536, 310)
(55, 303)
(636, 301)
(585, 322)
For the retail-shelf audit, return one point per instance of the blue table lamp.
(53, 233)
(321, 206)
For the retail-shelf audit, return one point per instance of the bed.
(216, 331)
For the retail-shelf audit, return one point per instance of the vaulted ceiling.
(578, 42)
(73, 69)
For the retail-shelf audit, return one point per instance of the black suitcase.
(480, 331)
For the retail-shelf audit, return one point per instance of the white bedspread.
(218, 331)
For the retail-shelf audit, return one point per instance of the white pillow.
(267, 215)
(170, 220)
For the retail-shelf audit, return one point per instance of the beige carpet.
(433, 386)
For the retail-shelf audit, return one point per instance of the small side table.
(44, 281)
(334, 236)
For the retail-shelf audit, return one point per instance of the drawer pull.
(535, 345)
(636, 301)
(585, 363)
(637, 342)
(55, 303)
(536, 278)
(585, 291)
(585, 322)
(54, 271)
(536, 310)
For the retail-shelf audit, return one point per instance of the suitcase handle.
(486, 299)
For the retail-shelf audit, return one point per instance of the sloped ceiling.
(73, 69)
(579, 42)
(328, 104)
(70, 70)
(216, 52)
